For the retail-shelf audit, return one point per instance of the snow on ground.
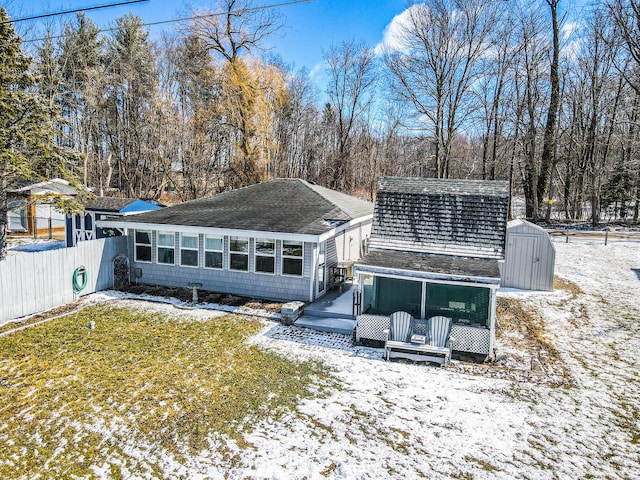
(26, 244)
(403, 420)
(397, 420)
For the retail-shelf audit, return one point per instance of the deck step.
(327, 324)
(311, 311)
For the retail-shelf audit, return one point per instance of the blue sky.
(310, 28)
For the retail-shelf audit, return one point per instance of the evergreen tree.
(617, 192)
(132, 85)
(27, 125)
(83, 91)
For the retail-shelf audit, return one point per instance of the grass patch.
(513, 316)
(486, 466)
(73, 398)
(569, 286)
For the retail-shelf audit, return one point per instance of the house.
(275, 240)
(434, 250)
(83, 227)
(30, 208)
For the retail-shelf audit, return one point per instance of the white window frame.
(257, 254)
(190, 249)
(238, 252)
(285, 257)
(220, 251)
(159, 246)
(136, 244)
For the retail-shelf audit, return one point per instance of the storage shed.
(530, 257)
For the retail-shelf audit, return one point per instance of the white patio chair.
(400, 330)
(439, 330)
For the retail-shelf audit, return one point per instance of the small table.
(340, 272)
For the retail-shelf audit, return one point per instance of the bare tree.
(437, 60)
(351, 70)
(626, 15)
(549, 143)
(239, 29)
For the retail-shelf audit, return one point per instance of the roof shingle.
(448, 217)
(280, 205)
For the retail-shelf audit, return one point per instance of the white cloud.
(569, 28)
(392, 35)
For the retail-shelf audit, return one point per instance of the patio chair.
(439, 331)
(399, 332)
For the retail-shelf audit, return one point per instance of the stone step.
(344, 326)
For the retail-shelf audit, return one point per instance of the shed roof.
(440, 267)
(280, 205)
(56, 186)
(120, 205)
(441, 216)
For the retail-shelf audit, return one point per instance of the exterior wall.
(33, 282)
(252, 284)
(350, 243)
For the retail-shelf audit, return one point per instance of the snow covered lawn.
(392, 420)
(372, 419)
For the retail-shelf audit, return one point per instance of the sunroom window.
(292, 258)
(189, 250)
(465, 305)
(142, 245)
(265, 255)
(239, 253)
(383, 296)
(166, 247)
(213, 251)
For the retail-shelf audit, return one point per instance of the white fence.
(33, 282)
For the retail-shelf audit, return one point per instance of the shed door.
(522, 261)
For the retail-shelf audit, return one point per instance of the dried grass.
(522, 329)
(72, 397)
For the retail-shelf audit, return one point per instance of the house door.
(522, 261)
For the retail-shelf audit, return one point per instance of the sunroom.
(426, 286)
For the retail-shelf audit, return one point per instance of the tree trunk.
(548, 148)
(3, 218)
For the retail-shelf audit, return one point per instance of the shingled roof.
(282, 205)
(466, 218)
(109, 204)
(433, 266)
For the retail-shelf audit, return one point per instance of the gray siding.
(33, 282)
(270, 286)
(332, 258)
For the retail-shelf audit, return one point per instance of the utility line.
(76, 10)
(176, 20)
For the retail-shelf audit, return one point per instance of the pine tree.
(28, 148)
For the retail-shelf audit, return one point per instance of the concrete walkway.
(331, 313)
